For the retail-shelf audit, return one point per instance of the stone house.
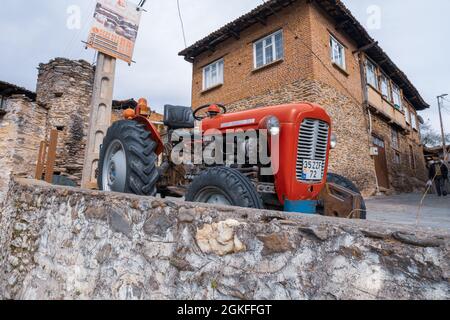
(61, 101)
(288, 51)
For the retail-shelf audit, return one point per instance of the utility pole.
(100, 118)
(444, 143)
(110, 46)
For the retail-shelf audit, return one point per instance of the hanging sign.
(115, 28)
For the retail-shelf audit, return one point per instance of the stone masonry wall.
(62, 243)
(65, 88)
(351, 157)
(22, 129)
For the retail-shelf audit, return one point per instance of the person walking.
(439, 172)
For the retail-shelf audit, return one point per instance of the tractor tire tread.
(142, 172)
(236, 185)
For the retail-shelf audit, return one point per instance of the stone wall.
(62, 243)
(65, 88)
(22, 128)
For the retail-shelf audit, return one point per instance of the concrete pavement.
(403, 209)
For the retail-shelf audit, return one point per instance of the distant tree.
(431, 137)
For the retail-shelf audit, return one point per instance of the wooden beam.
(235, 34)
(41, 161)
(51, 157)
(262, 20)
(342, 24)
(366, 47)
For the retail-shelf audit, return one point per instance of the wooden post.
(49, 170)
(100, 117)
(41, 160)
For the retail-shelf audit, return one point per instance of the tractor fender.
(155, 134)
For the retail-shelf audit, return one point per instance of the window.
(378, 142)
(213, 74)
(385, 87)
(407, 115)
(414, 121)
(397, 97)
(268, 49)
(412, 158)
(371, 74)
(397, 158)
(395, 139)
(337, 52)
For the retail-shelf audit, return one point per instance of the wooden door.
(381, 163)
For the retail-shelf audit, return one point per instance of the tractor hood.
(251, 119)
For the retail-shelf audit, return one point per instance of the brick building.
(298, 50)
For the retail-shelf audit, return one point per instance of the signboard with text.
(115, 28)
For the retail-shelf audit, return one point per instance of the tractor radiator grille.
(312, 143)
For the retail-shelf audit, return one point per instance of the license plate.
(313, 170)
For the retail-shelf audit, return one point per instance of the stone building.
(64, 87)
(61, 101)
(22, 128)
(287, 51)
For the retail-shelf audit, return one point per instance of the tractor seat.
(178, 117)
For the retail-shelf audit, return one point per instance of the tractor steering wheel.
(199, 118)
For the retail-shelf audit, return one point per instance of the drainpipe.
(366, 106)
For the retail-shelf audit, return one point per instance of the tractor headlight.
(272, 125)
(333, 141)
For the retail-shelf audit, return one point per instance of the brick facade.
(306, 73)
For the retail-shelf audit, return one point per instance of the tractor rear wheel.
(224, 186)
(128, 160)
(346, 183)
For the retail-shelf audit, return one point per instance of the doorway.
(381, 162)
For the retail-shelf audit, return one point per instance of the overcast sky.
(414, 33)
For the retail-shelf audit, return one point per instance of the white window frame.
(407, 115)
(375, 76)
(414, 121)
(388, 84)
(341, 60)
(396, 92)
(276, 56)
(219, 64)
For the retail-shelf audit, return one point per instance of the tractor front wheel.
(128, 160)
(224, 186)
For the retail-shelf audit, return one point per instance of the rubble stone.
(224, 253)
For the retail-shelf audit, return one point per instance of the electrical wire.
(182, 23)
(69, 47)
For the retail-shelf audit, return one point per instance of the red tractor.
(135, 158)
